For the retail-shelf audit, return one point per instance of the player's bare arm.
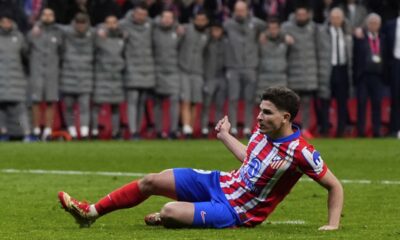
(235, 146)
(335, 200)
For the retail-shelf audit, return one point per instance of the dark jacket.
(363, 63)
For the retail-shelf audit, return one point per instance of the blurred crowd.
(193, 53)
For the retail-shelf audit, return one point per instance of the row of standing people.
(187, 65)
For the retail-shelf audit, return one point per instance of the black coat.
(363, 63)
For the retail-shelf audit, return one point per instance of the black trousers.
(395, 97)
(339, 83)
(369, 87)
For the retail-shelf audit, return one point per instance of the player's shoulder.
(305, 150)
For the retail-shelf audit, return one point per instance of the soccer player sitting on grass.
(272, 162)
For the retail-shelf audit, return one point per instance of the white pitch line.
(137, 174)
(63, 172)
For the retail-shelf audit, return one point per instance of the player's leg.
(250, 84)
(115, 121)
(69, 101)
(133, 99)
(186, 95)
(173, 215)
(3, 121)
(49, 119)
(127, 196)
(213, 214)
(84, 113)
(233, 95)
(174, 115)
(95, 120)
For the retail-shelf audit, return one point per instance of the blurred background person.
(272, 70)
(45, 43)
(191, 63)
(355, 13)
(392, 32)
(386, 9)
(166, 42)
(369, 60)
(267, 9)
(108, 68)
(242, 60)
(16, 9)
(77, 73)
(214, 88)
(335, 51)
(302, 61)
(139, 77)
(13, 82)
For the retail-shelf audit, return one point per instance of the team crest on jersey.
(277, 162)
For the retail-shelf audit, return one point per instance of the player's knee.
(168, 215)
(148, 183)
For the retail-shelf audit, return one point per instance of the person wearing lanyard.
(368, 67)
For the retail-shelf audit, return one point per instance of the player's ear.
(286, 117)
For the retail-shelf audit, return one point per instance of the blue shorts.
(211, 208)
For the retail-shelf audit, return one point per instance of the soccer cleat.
(79, 210)
(153, 219)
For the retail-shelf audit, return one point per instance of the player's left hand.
(328, 228)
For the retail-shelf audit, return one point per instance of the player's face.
(167, 19)
(6, 24)
(201, 21)
(270, 118)
(111, 22)
(273, 29)
(140, 15)
(216, 32)
(47, 16)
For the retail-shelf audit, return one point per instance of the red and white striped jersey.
(270, 170)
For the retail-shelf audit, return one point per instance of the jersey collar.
(293, 136)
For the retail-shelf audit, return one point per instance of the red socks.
(125, 197)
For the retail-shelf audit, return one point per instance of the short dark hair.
(273, 20)
(141, 5)
(81, 18)
(284, 99)
(201, 12)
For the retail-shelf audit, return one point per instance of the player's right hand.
(223, 126)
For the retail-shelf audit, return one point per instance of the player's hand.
(36, 31)
(223, 126)
(289, 40)
(102, 33)
(328, 228)
(180, 30)
(263, 38)
(358, 33)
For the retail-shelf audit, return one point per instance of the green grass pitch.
(29, 207)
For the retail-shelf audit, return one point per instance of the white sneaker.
(72, 131)
(204, 131)
(187, 130)
(46, 134)
(95, 132)
(398, 135)
(246, 131)
(84, 131)
(36, 131)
